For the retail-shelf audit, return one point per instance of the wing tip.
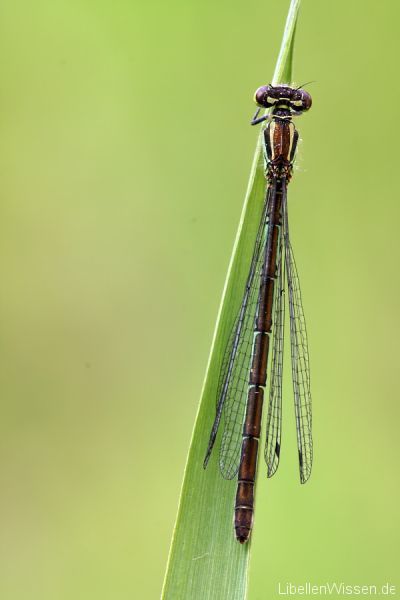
(272, 468)
(271, 472)
(305, 474)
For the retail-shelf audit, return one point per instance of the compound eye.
(307, 101)
(301, 101)
(259, 95)
(262, 97)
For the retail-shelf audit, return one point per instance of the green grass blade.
(283, 68)
(206, 562)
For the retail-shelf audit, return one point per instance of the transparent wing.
(234, 377)
(274, 417)
(300, 360)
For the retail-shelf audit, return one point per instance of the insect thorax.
(280, 141)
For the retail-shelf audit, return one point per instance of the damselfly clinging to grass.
(260, 323)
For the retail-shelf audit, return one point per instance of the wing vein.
(300, 358)
(233, 382)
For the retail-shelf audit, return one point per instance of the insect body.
(259, 326)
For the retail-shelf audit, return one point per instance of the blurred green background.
(125, 149)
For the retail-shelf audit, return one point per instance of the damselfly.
(260, 324)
